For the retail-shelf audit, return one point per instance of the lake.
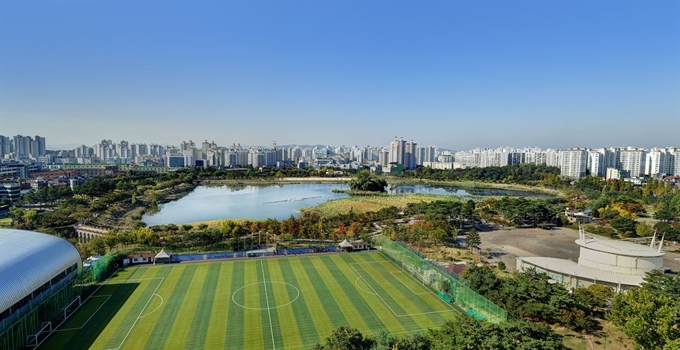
(281, 201)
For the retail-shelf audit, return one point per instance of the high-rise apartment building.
(632, 162)
(22, 146)
(384, 157)
(656, 162)
(674, 161)
(396, 150)
(5, 146)
(573, 162)
(38, 147)
(426, 154)
(410, 155)
(596, 162)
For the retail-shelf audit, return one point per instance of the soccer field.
(265, 303)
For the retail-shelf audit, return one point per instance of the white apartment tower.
(632, 162)
(552, 157)
(410, 155)
(596, 162)
(655, 163)
(396, 150)
(674, 161)
(573, 162)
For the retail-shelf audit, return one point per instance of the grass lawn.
(363, 204)
(5, 221)
(610, 338)
(269, 303)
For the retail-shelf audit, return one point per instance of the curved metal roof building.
(29, 259)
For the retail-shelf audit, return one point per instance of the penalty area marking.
(88, 298)
(154, 310)
(233, 296)
(385, 264)
(450, 309)
(356, 282)
(141, 312)
(88, 320)
(405, 285)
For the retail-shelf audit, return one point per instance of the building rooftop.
(29, 259)
(569, 267)
(619, 247)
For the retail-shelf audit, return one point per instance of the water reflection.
(280, 201)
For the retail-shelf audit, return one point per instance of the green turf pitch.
(271, 303)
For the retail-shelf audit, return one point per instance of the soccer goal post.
(72, 307)
(33, 340)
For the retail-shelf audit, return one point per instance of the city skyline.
(21, 155)
(459, 75)
(381, 143)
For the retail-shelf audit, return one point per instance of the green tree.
(643, 229)
(649, 319)
(664, 214)
(625, 226)
(346, 338)
(97, 245)
(473, 240)
(111, 239)
(501, 266)
(364, 181)
(660, 283)
(484, 281)
(594, 298)
(465, 332)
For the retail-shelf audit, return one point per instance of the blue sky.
(456, 74)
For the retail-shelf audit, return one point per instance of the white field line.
(405, 285)
(142, 279)
(451, 308)
(154, 310)
(433, 293)
(395, 276)
(76, 309)
(266, 296)
(356, 283)
(88, 320)
(366, 262)
(376, 293)
(140, 313)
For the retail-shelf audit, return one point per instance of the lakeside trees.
(519, 174)
(366, 182)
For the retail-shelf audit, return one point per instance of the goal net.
(34, 339)
(72, 307)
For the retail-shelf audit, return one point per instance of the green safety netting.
(449, 286)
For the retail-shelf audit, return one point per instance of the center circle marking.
(233, 296)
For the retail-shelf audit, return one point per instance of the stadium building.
(35, 274)
(617, 264)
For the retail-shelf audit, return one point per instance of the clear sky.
(458, 74)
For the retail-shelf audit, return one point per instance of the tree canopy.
(364, 181)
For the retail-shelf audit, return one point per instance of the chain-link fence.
(448, 285)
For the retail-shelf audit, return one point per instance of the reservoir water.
(281, 201)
